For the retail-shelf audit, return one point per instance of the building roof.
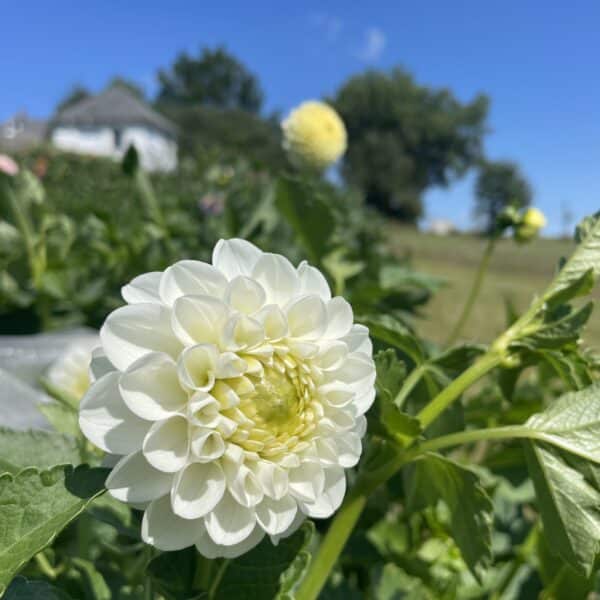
(115, 107)
(21, 132)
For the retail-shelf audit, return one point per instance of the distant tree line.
(404, 137)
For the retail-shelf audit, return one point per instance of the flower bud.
(530, 224)
(314, 135)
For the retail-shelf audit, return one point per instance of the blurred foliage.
(404, 137)
(500, 185)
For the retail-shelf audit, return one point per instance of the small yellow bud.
(530, 224)
(314, 135)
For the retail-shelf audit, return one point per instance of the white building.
(107, 124)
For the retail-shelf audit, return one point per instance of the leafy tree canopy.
(214, 78)
(499, 185)
(405, 137)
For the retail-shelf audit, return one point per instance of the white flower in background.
(70, 372)
(8, 166)
(236, 399)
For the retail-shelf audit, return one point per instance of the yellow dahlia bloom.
(314, 134)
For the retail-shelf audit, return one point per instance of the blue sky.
(538, 61)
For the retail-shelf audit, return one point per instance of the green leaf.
(173, 572)
(268, 571)
(35, 506)
(24, 589)
(62, 418)
(585, 258)
(438, 478)
(308, 214)
(563, 455)
(94, 583)
(340, 268)
(456, 360)
(393, 583)
(391, 331)
(570, 366)
(41, 449)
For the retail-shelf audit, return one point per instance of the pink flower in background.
(8, 165)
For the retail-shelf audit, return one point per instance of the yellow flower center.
(276, 398)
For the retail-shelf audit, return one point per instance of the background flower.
(235, 394)
(8, 166)
(314, 134)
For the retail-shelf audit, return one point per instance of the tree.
(131, 86)
(404, 138)
(215, 78)
(499, 185)
(73, 96)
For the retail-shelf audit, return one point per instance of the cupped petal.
(131, 331)
(230, 523)
(296, 524)
(245, 295)
(230, 365)
(273, 320)
(197, 367)
(203, 410)
(307, 481)
(235, 257)
(241, 332)
(278, 278)
(349, 449)
(273, 479)
(106, 421)
(242, 483)
(206, 445)
(210, 550)
(199, 319)
(330, 499)
(134, 480)
(167, 531)
(306, 317)
(332, 354)
(99, 365)
(191, 278)
(166, 445)
(197, 489)
(275, 516)
(358, 340)
(143, 289)
(312, 281)
(150, 387)
(339, 318)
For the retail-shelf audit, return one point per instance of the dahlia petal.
(339, 318)
(273, 321)
(349, 448)
(331, 497)
(235, 257)
(105, 419)
(245, 294)
(312, 281)
(197, 489)
(197, 366)
(278, 278)
(357, 370)
(134, 480)
(206, 444)
(191, 278)
(203, 410)
(99, 365)
(275, 516)
(131, 331)
(209, 549)
(166, 444)
(307, 317)
(307, 481)
(272, 478)
(229, 523)
(337, 395)
(363, 401)
(332, 354)
(142, 289)
(242, 332)
(150, 387)
(230, 365)
(296, 524)
(199, 319)
(162, 528)
(242, 483)
(358, 340)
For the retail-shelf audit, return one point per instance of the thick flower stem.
(332, 545)
(475, 289)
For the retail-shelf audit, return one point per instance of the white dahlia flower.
(235, 395)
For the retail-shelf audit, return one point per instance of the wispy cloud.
(329, 25)
(373, 45)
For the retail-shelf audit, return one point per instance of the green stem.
(218, 577)
(475, 289)
(331, 546)
(450, 393)
(409, 384)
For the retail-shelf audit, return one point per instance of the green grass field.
(516, 273)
